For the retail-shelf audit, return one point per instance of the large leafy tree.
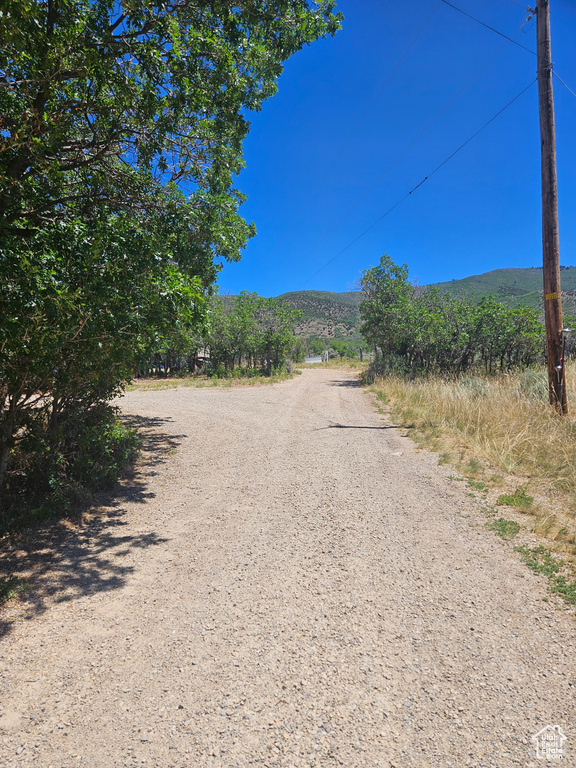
(121, 128)
(105, 102)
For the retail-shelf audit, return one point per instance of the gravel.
(287, 581)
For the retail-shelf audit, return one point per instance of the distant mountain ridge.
(337, 316)
(515, 287)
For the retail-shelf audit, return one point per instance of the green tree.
(384, 310)
(107, 112)
(80, 305)
(105, 103)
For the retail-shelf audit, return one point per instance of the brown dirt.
(287, 582)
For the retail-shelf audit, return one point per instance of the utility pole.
(550, 237)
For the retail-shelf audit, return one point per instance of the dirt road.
(287, 583)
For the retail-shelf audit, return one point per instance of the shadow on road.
(65, 560)
(353, 426)
(346, 383)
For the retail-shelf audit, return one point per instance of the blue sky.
(360, 119)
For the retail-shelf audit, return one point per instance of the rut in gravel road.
(293, 585)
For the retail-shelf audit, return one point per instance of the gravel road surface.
(286, 582)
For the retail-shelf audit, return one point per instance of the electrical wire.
(402, 154)
(424, 180)
(563, 83)
(510, 39)
(525, 8)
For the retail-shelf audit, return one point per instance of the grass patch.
(498, 430)
(10, 587)
(519, 499)
(541, 560)
(145, 385)
(506, 529)
(338, 364)
(477, 485)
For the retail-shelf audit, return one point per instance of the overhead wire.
(520, 5)
(395, 162)
(424, 180)
(493, 29)
(509, 38)
(563, 83)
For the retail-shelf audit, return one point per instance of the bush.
(55, 471)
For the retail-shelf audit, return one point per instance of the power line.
(510, 39)
(403, 153)
(563, 83)
(524, 7)
(425, 179)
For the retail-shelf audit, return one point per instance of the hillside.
(336, 315)
(331, 315)
(515, 287)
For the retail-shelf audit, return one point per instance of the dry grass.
(337, 363)
(503, 431)
(204, 381)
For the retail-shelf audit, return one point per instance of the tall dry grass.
(500, 428)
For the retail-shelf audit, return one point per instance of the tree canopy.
(108, 102)
(121, 128)
(431, 330)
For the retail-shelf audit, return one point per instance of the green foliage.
(252, 330)
(106, 103)
(519, 499)
(10, 587)
(244, 336)
(327, 315)
(541, 560)
(506, 529)
(432, 331)
(513, 287)
(55, 468)
(105, 109)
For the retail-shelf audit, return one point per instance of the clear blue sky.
(349, 107)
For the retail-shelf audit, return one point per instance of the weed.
(475, 467)
(503, 424)
(519, 499)
(506, 529)
(540, 560)
(10, 587)
(478, 485)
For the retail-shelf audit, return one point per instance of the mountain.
(332, 315)
(336, 315)
(515, 287)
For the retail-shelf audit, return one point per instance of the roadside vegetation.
(468, 380)
(244, 336)
(122, 139)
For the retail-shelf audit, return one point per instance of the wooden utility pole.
(550, 238)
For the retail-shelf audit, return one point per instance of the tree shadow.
(354, 426)
(61, 561)
(346, 383)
